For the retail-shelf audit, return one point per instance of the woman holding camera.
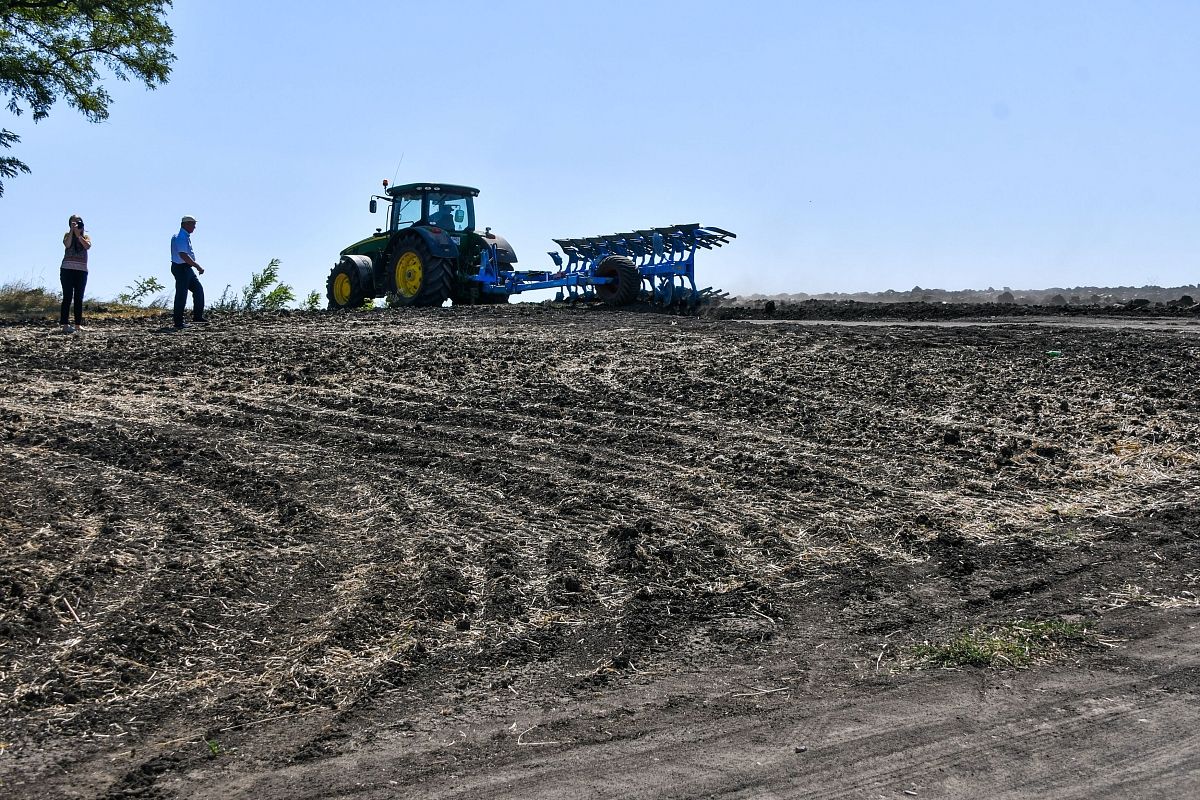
(73, 273)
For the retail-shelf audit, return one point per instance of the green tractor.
(427, 254)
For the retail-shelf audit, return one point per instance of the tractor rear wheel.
(419, 278)
(348, 285)
(626, 284)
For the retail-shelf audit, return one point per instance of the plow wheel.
(628, 281)
(348, 285)
(665, 293)
(418, 278)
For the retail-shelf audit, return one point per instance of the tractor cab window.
(407, 211)
(451, 212)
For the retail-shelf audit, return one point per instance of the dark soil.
(525, 551)
(856, 310)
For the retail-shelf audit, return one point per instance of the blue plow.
(657, 265)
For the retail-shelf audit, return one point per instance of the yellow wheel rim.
(342, 289)
(409, 272)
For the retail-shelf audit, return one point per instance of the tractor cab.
(445, 206)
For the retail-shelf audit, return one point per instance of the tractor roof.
(412, 188)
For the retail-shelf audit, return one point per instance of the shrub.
(264, 292)
(139, 289)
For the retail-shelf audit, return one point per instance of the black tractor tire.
(463, 294)
(349, 284)
(416, 277)
(624, 290)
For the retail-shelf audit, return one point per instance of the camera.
(79, 224)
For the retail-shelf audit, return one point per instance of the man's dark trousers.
(186, 281)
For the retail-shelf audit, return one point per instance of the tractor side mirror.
(459, 215)
(373, 206)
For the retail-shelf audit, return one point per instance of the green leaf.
(52, 51)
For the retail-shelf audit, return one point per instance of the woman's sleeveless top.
(75, 256)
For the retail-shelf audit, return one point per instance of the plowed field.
(525, 551)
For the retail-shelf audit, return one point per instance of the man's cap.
(187, 218)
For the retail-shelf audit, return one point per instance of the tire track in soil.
(878, 739)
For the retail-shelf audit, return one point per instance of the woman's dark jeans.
(73, 283)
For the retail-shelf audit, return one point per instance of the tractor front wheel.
(348, 285)
(419, 278)
(626, 284)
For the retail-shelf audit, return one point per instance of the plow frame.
(665, 259)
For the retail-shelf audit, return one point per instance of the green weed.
(1016, 644)
(133, 294)
(264, 292)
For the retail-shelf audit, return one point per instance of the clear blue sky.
(851, 146)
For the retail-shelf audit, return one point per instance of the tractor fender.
(366, 271)
(366, 268)
(504, 252)
(440, 244)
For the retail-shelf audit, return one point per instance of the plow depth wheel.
(665, 292)
(418, 278)
(347, 284)
(626, 284)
